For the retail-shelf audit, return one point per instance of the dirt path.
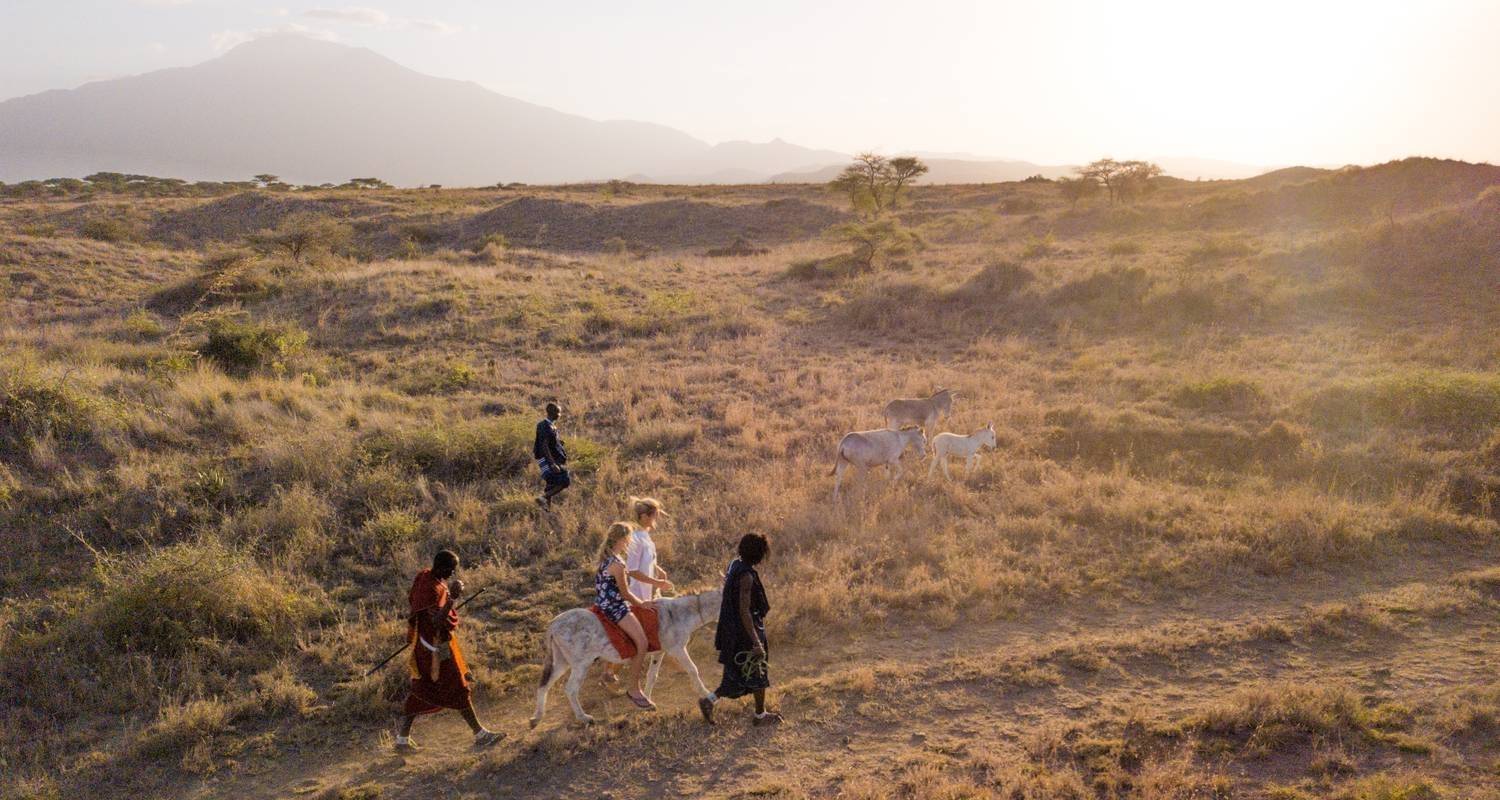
(867, 707)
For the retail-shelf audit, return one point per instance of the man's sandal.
(706, 706)
(487, 738)
(768, 718)
(641, 701)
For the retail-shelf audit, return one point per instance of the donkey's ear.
(991, 426)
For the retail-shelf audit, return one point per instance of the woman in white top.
(647, 579)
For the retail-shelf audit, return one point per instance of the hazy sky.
(1265, 82)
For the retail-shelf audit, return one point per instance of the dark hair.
(553, 409)
(753, 548)
(445, 559)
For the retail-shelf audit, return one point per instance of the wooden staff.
(388, 658)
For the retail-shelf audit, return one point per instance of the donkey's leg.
(652, 671)
(932, 468)
(559, 667)
(575, 682)
(973, 465)
(838, 477)
(946, 474)
(680, 655)
(896, 470)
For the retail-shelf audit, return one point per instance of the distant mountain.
(315, 112)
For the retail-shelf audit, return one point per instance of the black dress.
(743, 672)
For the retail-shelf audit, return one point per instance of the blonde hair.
(616, 532)
(641, 506)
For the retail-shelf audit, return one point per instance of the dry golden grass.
(1212, 408)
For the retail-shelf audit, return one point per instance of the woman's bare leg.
(632, 627)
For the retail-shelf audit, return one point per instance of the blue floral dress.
(607, 593)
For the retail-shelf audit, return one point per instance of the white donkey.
(882, 448)
(965, 447)
(576, 639)
(924, 412)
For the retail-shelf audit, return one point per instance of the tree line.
(151, 186)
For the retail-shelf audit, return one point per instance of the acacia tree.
(1122, 179)
(1138, 179)
(903, 171)
(301, 234)
(1075, 189)
(873, 183)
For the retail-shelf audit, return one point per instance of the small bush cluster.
(243, 347)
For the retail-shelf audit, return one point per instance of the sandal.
(706, 707)
(769, 718)
(640, 700)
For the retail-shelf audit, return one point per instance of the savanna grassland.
(1238, 537)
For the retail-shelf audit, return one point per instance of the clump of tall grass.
(37, 405)
(1462, 405)
(1222, 394)
(465, 451)
(194, 596)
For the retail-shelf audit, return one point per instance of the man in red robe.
(439, 678)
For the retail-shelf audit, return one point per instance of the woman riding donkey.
(647, 579)
(614, 598)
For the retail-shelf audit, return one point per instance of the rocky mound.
(231, 218)
(668, 225)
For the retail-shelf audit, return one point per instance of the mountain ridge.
(318, 112)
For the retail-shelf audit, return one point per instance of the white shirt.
(641, 557)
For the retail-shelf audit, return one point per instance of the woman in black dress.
(741, 638)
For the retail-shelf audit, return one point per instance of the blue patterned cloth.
(607, 593)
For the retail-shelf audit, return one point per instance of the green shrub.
(389, 530)
(1039, 247)
(1222, 394)
(473, 450)
(816, 269)
(142, 324)
(999, 279)
(1465, 405)
(1219, 248)
(1115, 291)
(498, 241)
(660, 437)
(196, 596)
(34, 406)
(241, 348)
(108, 229)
